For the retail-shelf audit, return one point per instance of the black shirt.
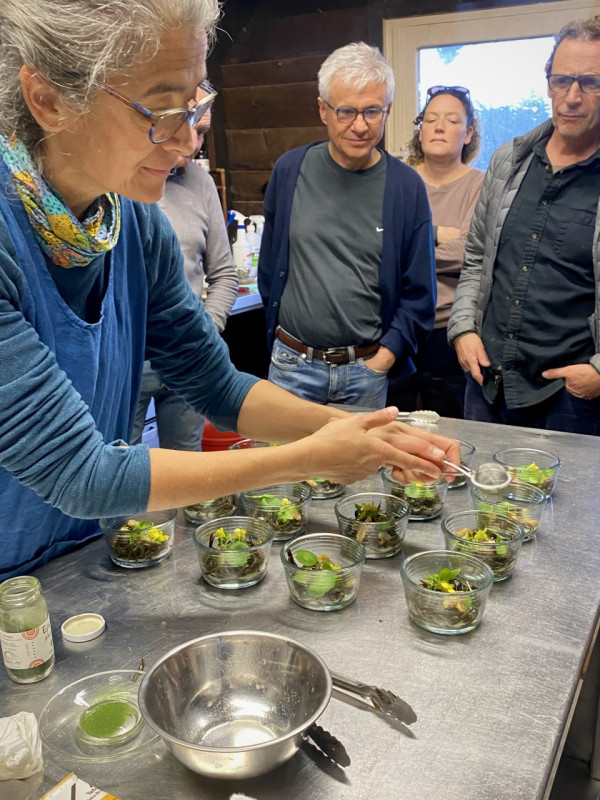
(543, 290)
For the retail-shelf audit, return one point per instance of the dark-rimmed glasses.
(165, 124)
(347, 114)
(589, 84)
(460, 90)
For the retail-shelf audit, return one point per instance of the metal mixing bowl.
(235, 704)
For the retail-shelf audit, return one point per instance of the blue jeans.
(561, 412)
(179, 426)
(354, 383)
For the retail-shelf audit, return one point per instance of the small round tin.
(83, 627)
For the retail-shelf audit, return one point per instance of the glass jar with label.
(25, 632)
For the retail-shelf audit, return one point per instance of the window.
(499, 54)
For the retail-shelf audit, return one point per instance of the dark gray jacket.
(500, 186)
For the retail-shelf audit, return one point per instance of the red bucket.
(213, 439)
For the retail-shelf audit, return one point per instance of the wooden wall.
(265, 65)
(268, 84)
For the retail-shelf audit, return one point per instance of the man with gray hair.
(346, 269)
(526, 316)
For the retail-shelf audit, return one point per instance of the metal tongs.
(423, 416)
(382, 700)
(329, 745)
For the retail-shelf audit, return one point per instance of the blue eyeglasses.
(347, 114)
(165, 124)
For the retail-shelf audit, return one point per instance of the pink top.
(452, 205)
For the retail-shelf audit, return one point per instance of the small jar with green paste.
(25, 632)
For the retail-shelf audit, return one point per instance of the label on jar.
(29, 648)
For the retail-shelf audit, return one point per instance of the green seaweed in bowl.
(233, 552)
(325, 577)
(287, 519)
(138, 540)
(536, 476)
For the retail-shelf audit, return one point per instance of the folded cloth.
(241, 797)
(20, 746)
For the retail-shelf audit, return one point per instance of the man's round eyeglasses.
(589, 84)
(165, 124)
(347, 114)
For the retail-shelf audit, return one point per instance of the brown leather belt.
(333, 355)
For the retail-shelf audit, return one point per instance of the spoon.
(490, 477)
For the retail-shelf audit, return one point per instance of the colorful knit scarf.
(67, 241)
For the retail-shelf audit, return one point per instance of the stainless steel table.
(493, 705)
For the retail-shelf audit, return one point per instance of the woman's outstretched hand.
(353, 447)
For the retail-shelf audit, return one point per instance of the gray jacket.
(500, 186)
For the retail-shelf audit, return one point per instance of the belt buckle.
(341, 352)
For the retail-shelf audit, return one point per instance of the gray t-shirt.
(331, 297)
(191, 203)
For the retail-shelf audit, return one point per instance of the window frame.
(403, 37)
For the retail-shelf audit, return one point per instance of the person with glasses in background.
(192, 206)
(92, 282)
(346, 266)
(445, 142)
(526, 317)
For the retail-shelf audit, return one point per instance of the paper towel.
(20, 746)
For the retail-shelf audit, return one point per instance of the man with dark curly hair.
(526, 317)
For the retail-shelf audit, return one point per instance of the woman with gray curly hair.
(445, 142)
(96, 106)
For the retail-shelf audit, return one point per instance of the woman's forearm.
(347, 449)
(288, 417)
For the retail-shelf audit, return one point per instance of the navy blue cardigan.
(407, 274)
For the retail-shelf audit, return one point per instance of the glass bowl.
(284, 506)
(442, 612)
(467, 451)
(244, 563)
(323, 589)
(498, 538)
(143, 546)
(224, 506)
(324, 489)
(97, 718)
(537, 467)
(521, 501)
(381, 539)
(425, 500)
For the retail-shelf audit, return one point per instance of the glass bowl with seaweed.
(425, 500)
(492, 537)
(537, 467)
(377, 520)
(283, 506)
(139, 540)
(446, 591)
(324, 489)
(233, 552)
(323, 570)
(224, 506)
(521, 501)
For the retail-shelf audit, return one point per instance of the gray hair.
(356, 65)
(76, 43)
(588, 29)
